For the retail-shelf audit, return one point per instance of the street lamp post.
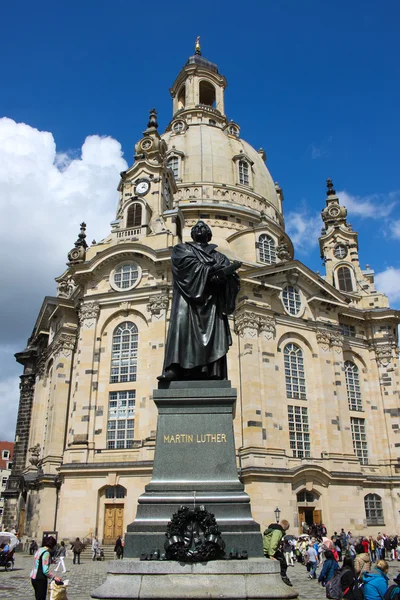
(277, 514)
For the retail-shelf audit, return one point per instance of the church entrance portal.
(309, 515)
(113, 522)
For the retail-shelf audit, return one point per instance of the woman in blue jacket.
(376, 582)
(329, 569)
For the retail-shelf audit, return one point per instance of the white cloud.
(44, 196)
(388, 282)
(394, 228)
(303, 229)
(374, 206)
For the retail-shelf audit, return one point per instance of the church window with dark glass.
(243, 172)
(294, 372)
(291, 299)
(124, 353)
(267, 250)
(134, 215)
(115, 491)
(353, 386)
(121, 419)
(299, 433)
(344, 279)
(233, 130)
(173, 164)
(373, 509)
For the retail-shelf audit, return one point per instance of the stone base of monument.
(255, 578)
(194, 465)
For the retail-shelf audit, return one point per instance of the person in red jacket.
(365, 544)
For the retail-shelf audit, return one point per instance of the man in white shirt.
(313, 560)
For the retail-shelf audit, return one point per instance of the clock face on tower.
(142, 187)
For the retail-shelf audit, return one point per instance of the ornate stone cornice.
(267, 327)
(246, 322)
(384, 353)
(63, 344)
(88, 313)
(250, 323)
(157, 304)
(323, 339)
(337, 340)
(327, 338)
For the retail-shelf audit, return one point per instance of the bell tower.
(339, 251)
(199, 86)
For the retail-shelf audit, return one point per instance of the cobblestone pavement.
(84, 578)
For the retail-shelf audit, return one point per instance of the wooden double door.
(309, 515)
(113, 522)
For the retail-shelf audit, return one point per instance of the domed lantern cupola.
(199, 86)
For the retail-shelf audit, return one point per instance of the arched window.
(294, 372)
(134, 215)
(373, 509)
(243, 172)
(115, 491)
(182, 97)
(267, 251)
(124, 353)
(353, 386)
(291, 299)
(305, 496)
(173, 164)
(207, 93)
(345, 282)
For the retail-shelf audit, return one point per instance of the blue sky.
(316, 84)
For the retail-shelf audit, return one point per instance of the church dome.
(210, 155)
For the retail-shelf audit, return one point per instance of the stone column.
(11, 494)
(84, 374)
(246, 327)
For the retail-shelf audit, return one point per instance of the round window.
(178, 127)
(291, 300)
(233, 130)
(125, 277)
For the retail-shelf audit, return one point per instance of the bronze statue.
(205, 288)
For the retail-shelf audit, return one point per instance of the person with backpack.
(362, 561)
(376, 582)
(40, 573)
(342, 583)
(393, 591)
(329, 569)
(272, 538)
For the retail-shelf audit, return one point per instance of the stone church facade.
(314, 359)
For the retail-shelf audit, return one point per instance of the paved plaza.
(84, 578)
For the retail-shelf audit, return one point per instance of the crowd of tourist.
(364, 569)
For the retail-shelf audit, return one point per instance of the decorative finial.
(330, 191)
(197, 49)
(153, 119)
(81, 241)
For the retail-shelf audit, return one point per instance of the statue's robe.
(199, 333)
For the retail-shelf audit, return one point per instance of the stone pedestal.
(219, 579)
(194, 464)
